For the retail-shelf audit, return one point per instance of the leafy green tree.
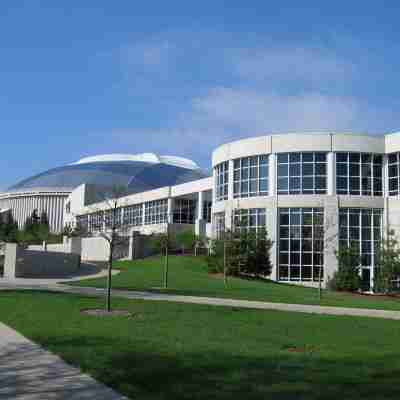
(347, 277)
(44, 220)
(186, 240)
(8, 230)
(387, 264)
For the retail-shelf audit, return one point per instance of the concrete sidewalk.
(260, 305)
(28, 372)
(213, 301)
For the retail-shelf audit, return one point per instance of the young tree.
(114, 228)
(163, 243)
(186, 239)
(347, 277)
(388, 264)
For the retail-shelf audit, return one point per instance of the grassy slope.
(181, 351)
(188, 275)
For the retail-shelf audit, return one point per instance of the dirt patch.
(98, 312)
(298, 349)
(216, 275)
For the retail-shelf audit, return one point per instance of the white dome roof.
(144, 157)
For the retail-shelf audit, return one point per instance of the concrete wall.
(20, 263)
(95, 249)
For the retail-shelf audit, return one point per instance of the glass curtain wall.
(207, 206)
(96, 221)
(393, 167)
(250, 176)
(301, 173)
(359, 174)
(133, 215)
(219, 224)
(221, 181)
(301, 244)
(250, 220)
(156, 212)
(361, 228)
(184, 211)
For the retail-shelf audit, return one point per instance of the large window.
(82, 222)
(133, 215)
(361, 228)
(250, 176)
(301, 244)
(301, 173)
(112, 218)
(359, 174)
(394, 176)
(221, 181)
(156, 212)
(250, 220)
(184, 211)
(207, 206)
(219, 224)
(96, 221)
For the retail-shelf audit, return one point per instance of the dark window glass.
(298, 258)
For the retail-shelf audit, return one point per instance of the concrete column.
(75, 245)
(170, 210)
(228, 215)
(131, 251)
(331, 236)
(331, 174)
(200, 203)
(272, 229)
(385, 176)
(143, 214)
(200, 224)
(10, 260)
(272, 175)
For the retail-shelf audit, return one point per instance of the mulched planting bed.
(99, 312)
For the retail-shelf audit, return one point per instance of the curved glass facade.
(393, 174)
(222, 181)
(359, 174)
(250, 176)
(301, 173)
(138, 176)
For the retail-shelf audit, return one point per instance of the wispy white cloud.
(269, 90)
(313, 65)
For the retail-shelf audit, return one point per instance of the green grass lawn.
(188, 275)
(182, 351)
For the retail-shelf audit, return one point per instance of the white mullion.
(290, 243)
(312, 245)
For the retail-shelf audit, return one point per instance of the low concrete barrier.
(21, 263)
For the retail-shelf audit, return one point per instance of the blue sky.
(79, 78)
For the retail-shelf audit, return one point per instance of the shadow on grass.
(145, 374)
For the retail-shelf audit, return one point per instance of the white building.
(311, 191)
(48, 191)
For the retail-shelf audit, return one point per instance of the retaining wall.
(21, 263)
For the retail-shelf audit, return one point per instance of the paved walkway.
(260, 305)
(28, 372)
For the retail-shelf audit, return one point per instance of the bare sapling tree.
(113, 229)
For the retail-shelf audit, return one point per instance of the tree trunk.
(320, 284)
(110, 262)
(166, 269)
(225, 277)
